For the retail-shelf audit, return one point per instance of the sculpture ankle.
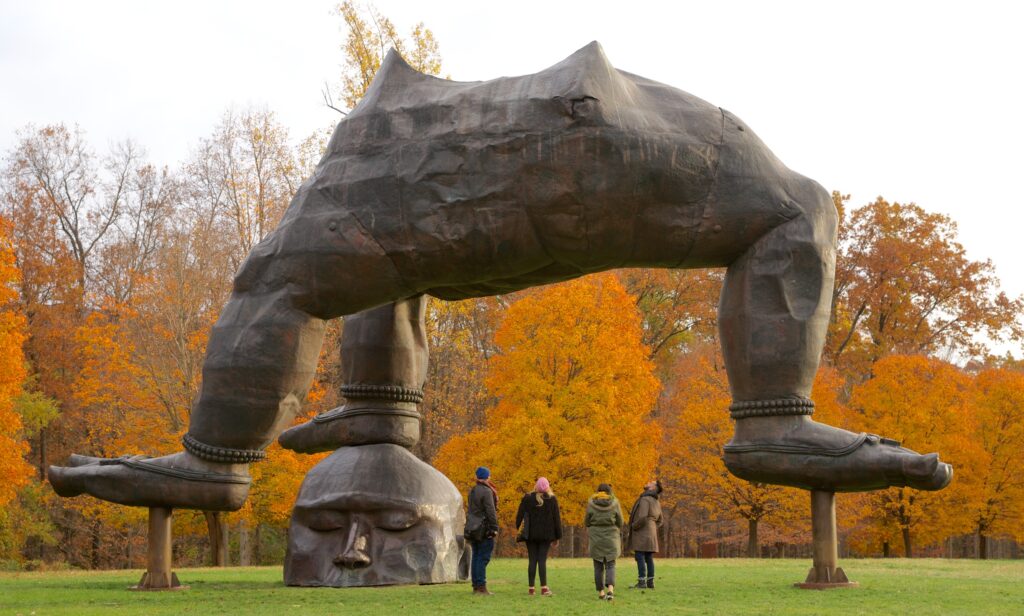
(224, 455)
(771, 408)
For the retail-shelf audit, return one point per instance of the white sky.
(914, 101)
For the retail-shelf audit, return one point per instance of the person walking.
(481, 527)
(541, 524)
(604, 524)
(644, 521)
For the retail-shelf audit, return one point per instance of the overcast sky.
(914, 101)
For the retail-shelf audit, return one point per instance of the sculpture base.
(158, 575)
(823, 579)
(151, 582)
(824, 574)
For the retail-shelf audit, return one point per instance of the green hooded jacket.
(604, 523)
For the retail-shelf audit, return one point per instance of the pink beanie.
(542, 485)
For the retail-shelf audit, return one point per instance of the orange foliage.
(691, 457)
(904, 284)
(998, 410)
(14, 472)
(923, 403)
(124, 415)
(575, 390)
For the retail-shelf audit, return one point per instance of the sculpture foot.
(796, 451)
(343, 427)
(177, 481)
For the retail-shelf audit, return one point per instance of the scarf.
(493, 488)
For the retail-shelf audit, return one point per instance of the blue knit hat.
(483, 472)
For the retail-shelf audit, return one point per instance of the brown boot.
(481, 590)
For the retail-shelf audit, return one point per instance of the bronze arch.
(467, 189)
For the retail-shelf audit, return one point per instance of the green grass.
(733, 586)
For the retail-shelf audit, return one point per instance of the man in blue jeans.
(482, 527)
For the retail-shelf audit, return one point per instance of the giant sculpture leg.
(260, 362)
(384, 366)
(373, 514)
(773, 318)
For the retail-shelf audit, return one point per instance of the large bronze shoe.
(177, 481)
(344, 427)
(797, 451)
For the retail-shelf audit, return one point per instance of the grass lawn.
(727, 586)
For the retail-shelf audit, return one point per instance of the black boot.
(641, 583)
(650, 583)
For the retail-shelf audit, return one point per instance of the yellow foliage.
(14, 472)
(923, 403)
(575, 391)
(691, 457)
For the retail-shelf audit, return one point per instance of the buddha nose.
(354, 553)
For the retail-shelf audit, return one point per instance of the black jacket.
(545, 520)
(482, 515)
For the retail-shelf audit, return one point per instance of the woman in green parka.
(604, 526)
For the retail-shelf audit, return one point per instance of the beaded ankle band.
(770, 408)
(392, 393)
(221, 454)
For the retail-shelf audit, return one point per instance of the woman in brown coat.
(644, 520)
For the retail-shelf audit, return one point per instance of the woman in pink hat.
(540, 527)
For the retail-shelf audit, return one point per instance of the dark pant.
(538, 553)
(481, 556)
(604, 574)
(645, 564)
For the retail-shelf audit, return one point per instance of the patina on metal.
(384, 366)
(375, 515)
(466, 189)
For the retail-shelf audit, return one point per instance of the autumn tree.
(575, 390)
(678, 307)
(243, 175)
(921, 402)
(904, 285)
(14, 472)
(997, 404)
(368, 39)
(460, 336)
(697, 427)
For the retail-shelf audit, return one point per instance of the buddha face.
(374, 515)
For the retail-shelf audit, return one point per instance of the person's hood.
(601, 501)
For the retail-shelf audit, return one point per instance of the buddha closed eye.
(354, 528)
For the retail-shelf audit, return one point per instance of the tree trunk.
(42, 455)
(257, 541)
(753, 550)
(94, 554)
(885, 549)
(218, 532)
(244, 551)
(908, 548)
(982, 546)
(572, 542)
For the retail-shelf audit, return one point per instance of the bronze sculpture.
(350, 528)
(458, 190)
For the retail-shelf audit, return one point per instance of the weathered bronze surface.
(384, 365)
(374, 515)
(468, 189)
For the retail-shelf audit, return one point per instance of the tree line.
(113, 269)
